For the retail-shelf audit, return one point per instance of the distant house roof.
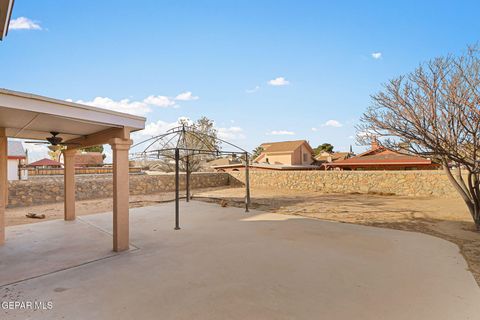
(15, 150)
(281, 147)
(380, 156)
(223, 161)
(88, 159)
(284, 146)
(333, 156)
(45, 163)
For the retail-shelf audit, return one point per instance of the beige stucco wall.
(50, 189)
(405, 183)
(278, 158)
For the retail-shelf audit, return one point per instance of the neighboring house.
(224, 161)
(290, 153)
(328, 157)
(88, 159)
(46, 164)
(16, 159)
(381, 158)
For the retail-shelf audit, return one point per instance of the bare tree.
(434, 112)
(201, 135)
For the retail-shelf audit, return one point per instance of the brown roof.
(45, 163)
(335, 156)
(382, 156)
(284, 146)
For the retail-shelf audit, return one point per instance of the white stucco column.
(3, 182)
(121, 192)
(69, 184)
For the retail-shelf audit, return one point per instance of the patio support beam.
(121, 192)
(69, 184)
(99, 138)
(3, 182)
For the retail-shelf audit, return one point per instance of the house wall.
(306, 154)
(13, 169)
(42, 190)
(404, 183)
(298, 156)
(278, 158)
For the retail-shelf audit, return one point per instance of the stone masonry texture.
(43, 190)
(421, 183)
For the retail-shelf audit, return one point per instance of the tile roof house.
(285, 155)
(45, 163)
(328, 157)
(381, 158)
(290, 153)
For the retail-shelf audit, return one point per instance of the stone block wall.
(50, 189)
(405, 183)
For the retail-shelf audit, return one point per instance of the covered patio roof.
(29, 116)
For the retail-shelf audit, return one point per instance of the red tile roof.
(382, 156)
(45, 163)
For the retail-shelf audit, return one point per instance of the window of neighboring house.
(305, 157)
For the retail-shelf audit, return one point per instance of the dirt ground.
(444, 218)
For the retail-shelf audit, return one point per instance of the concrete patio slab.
(32, 250)
(225, 264)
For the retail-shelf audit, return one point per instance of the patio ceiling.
(29, 116)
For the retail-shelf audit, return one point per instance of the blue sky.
(263, 70)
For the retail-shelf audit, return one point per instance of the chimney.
(375, 144)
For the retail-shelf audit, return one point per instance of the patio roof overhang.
(29, 116)
(6, 7)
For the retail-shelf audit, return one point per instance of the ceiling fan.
(55, 142)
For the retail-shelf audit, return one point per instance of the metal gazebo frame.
(176, 140)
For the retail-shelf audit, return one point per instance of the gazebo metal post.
(187, 184)
(247, 183)
(177, 182)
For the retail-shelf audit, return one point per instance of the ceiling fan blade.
(37, 142)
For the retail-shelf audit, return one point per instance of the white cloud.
(159, 101)
(231, 133)
(314, 129)
(153, 129)
(36, 151)
(376, 55)
(281, 133)
(125, 105)
(332, 123)
(279, 81)
(23, 23)
(253, 90)
(186, 96)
